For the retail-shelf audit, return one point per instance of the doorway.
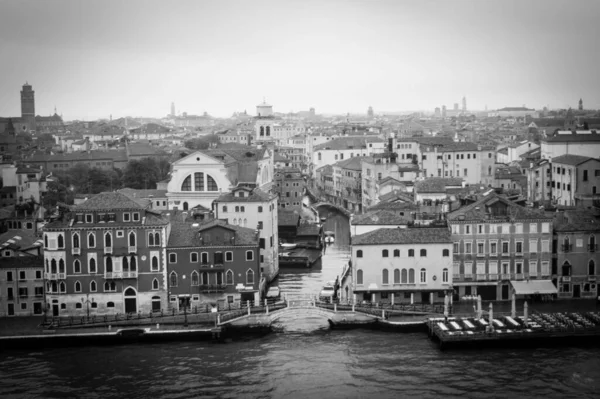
(184, 302)
(55, 308)
(11, 309)
(576, 291)
(156, 304)
(505, 292)
(130, 300)
(37, 308)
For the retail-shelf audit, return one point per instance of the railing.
(212, 287)
(592, 247)
(132, 249)
(113, 275)
(505, 276)
(493, 277)
(468, 276)
(50, 276)
(481, 277)
(76, 251)
(566, 247)
(62, 276)
(566, 279)
(592, 278)
(130, 274)
(520, 276)
(108, 250)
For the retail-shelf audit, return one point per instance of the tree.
(202, 143)
(142, 174)
(57, 192)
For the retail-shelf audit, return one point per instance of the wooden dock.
(538, 329)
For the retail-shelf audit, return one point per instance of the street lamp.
(185, 323)
(87, 301)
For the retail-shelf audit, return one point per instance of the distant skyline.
(94, 58)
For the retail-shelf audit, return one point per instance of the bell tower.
(28, 106)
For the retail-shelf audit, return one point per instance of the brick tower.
(28, 106)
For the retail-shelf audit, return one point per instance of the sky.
(92, 59)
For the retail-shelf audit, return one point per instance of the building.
(510, 178)
(288, 184)
(382, 175)
(576, 271)
(214, 263)
(106, 160)
(344, 148)
(29, 184)
(257, 210)
(514, 112)
(514, 151)
(21, 286)
(347, 183)
(496, 242)
(402, 265)
(437, 189)
(156, 198)
(565, 142)
(106, 256)
(539, 181)
(575, 180)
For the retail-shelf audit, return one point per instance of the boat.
(273, 293)
(288, 246)
(329, 237)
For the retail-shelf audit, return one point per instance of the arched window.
(444, 275)
(133, 264)
(423, 252)
(157, 239)
(242, 209)
(359, 276)
(61, 266)
(45, 241)
(110, 304)
(396, 253)
(125, 263)
(235, 222)
(195, 278)
(199, 181)
(76, 266)
(93, 286)
(404, 276)
(593, 243)
(108, 264)
(132, 239)
(47, 266)
(229, 277)
(385, 277)
(396, 276)
(173, 279)
(77, 286)
(237, 208)
(250, 276)
(262, 130)
(53, 266)
(108, 240)
(154, 263)
(63, 287)
(187, 184)
(566, 245)
(260, 209)
(219, 278)
(205, 278)
(423, 275)
(76, 240)
(319, 156)
(268, 130)
(91, 240)
(155, 284)
(591, 267)
(92, 265)
(61, 241)
(130, 292)
(359, 253)
(411, 253)
(211, 184)
(385, 253)
(446, 252)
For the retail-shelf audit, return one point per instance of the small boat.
(329, 237)
(273, 292)
(288, 246)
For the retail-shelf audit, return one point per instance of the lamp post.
(87, 301)
(185, 323)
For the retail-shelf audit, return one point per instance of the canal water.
(304, 359)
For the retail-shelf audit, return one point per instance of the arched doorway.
(130, 296)
(185, 206)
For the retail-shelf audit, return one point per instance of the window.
(92, 264)
(154, 265)
(260, 209)
(591, 267)
(62, 287)
(468, 229)
(533, 228)
(455, 247)
(195, 278)
(93, 287)
(493, 248)
(136, 217)
(423, 276)
(385, 277)
(411, 276)
(493, 268)
(519, 228)
(22, 275)
(110, 286)
(423, 253)
(533, 268)
(204, 258)
(545, 227)
(228, 256)
(91, 240)
(229, 277)
(199, 181)
(519, 247)
(108, 240)
(218, 257)
(187, 184)
(76, 266)
(155, 284)
(224, 208)
(61, 241)
(445, 276)
(359, 253)
(172, 257)
(126, 217)
(533, 246)
(77, 286)
(250, 276)
(194, 257)
(385, 253)
(519, 266)
(468, 247)
(120, 234)
(76, 240)
(249, 255)
(153, 239)
(404, 276)
(89, 218)
(396, 276)
(505, 249)
(359, 277)
(396, 253)
(173, 279)
(411, 253)
(479, 229)
(445, 252)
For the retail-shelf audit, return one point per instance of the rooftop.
(110, 201)
(478, 210)
(186, 233)
(437, 184)
(255, 195)
(347, 143)
(404, 236)
(569, 159)
(576, 220)
(380, 217)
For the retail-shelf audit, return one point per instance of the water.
(305, 359)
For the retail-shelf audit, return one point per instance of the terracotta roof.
(109, 201)
(576, 220)
(394, 206)
(308, 229)
(256, 195)
(397, 195)
(437, 184)
(404, 236)
(287, 217)
(28, 170)
(381, 217)
(19, 262)
(347, 143)
(21, 239)
(137, 194)
(569, 159)
(477, 210)
(140, 149)
(354, 163)
(185, 234)
(449, 147)
(118, 155)
(573, 137)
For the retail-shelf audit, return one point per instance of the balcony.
(23, 296)
(518, 253)
(131, 274)
(108, 250)
(520, 276)
(113, 275)
(76, 251)
(566, 279)
(592, 278)
(468, 276)
(62, 276)
(207, 288)
(457, 277)
(132, 249)
(592, 247)
(50, 276)
(481, 277)
(566, 247)
(505, 276)
(493, 277)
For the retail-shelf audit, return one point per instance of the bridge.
(330, 205)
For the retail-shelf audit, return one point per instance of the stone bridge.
(330, 205)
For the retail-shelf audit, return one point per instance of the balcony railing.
(566, 247)
(132, 249)
(76, 251)
(62, 276)
(113, 275)
(493, 277)
(481, 277)
(468, 277)
(50, 276)
(592, 247)
(518, 253)
(505, 276)
(130, 274)
(592, 278)
(108, 250)
(520, 276)
(213, 287)
(566, 279)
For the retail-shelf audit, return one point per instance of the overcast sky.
(91, 59)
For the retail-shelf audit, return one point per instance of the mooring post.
(248, 304)
(412, 298)
(266, 307)
(383, 314)
(218, 319)
(353, 305)
(335, 307)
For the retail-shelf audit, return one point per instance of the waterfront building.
(575, 180)
(402, 265)
(214, 263)
(381, 175)
(575, 268)
(203, 176)
(106, 256)
(347, 182)
(289, 185)
(28, 184)
(343, 148)
(21, 285)
(496, 241)
(585, 143)
(257, 210)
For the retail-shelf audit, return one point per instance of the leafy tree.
(142, 174)
(202, 143)
(57, 192)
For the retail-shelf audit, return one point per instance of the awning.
(534, 287)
